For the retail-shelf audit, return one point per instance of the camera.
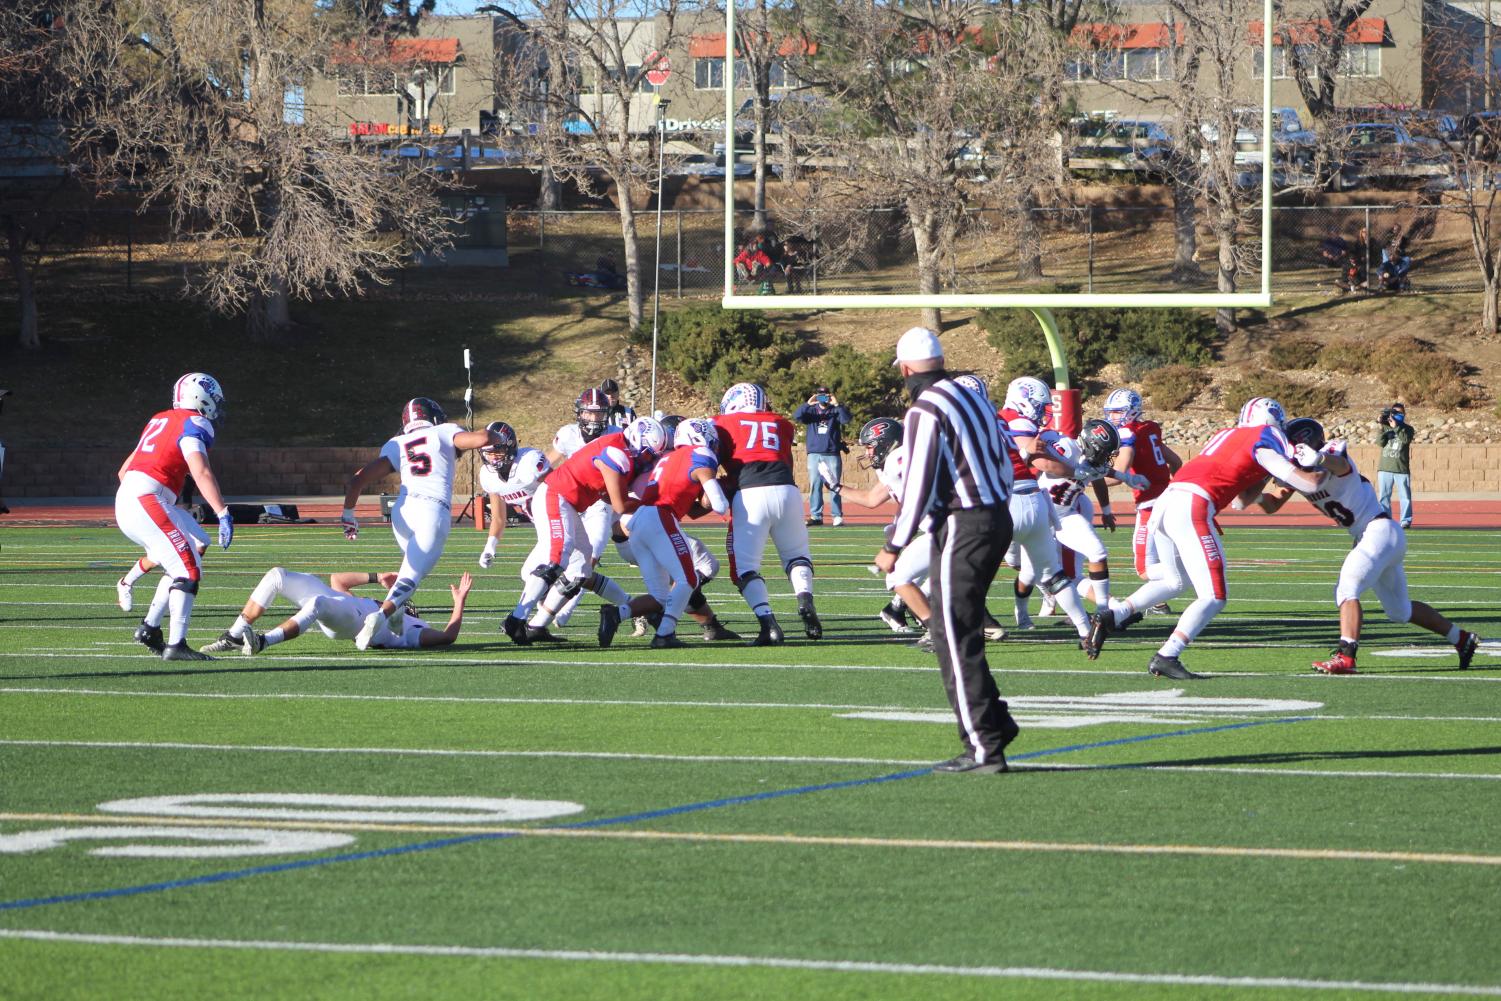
(1386, 415)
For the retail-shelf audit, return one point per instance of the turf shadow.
(1301, 757)
(185, 672)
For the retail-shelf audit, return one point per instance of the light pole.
(656, 291)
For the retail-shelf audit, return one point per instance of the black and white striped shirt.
(957, 457)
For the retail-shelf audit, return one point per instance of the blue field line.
(627, 818)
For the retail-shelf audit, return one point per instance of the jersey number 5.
(768, 432)
(418, 461)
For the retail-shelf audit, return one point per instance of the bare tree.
(592, 129)
(913, 90)
(762, 42)
(186, 101)
(1314, 34)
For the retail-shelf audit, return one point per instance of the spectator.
(1396, 263)
(617, 414)
(753, 263)
(797, 259)
(1395, 469)
(825, 419)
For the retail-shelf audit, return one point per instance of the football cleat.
(1172, 667)
(966, 763)
(539, 634)
(993, 630)
(517, 630)
(368, 630)
(1048, 608)
(225, 643)
(714, 631)
(253, 643)
(771, 632)
(181, 651)
(1161, 608)
(805, 611)
(1100, 627)
(925, 642)
(1339, 662)
(667, 641)
(1466, 646)
(609, 623)
(640, 627)
(895, 619)
(1024, 621)
(151, 638)
(123, 596)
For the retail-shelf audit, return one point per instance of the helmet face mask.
(499, 457)
(421, 412)
(200, 392)
(1123, 406)
(1029, 397)
(1099, 441)
(592, 411)
(878, 437)
(645, 437)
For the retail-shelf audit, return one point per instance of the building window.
(446, 81)
(351, 81)
(1120, 64)
(294, 105)
(708, 73)
(379, 83)
(1361, 60)
(1356, 59)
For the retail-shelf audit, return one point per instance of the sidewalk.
(1437, 511)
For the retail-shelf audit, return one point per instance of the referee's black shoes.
(966, 762)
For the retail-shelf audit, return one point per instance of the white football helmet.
(1261, 410)
(743, 398)
(973, 382)
(1029, 397)
(1123, 406)
(645, 436)
(697, 433)
(199, 391)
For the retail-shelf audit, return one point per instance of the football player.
(881, 442)
(680, 484)
(1375, 562)
(1089, 461)
(1231, 471)
(336, 610)
(425, 454)
(601, 469)
(1034, 547)
(1145, 453)
(755, 449)
(591, 413)
(174, 443)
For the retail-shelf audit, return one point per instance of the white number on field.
(226, 842)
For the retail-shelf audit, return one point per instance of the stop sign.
(660, 69)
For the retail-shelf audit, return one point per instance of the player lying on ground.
(882, 450)
(1375, 562)
(1231, 471)
(425, 454)
(173, 444)
(336, 610)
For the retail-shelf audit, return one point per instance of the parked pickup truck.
(1123, 144)
(1386, 152)
(1292, 144)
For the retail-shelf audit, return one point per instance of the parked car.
(1387, 152)
(1479, 135)
(1291, 142)
(1132, 145)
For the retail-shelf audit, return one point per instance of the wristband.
(893, 550)
(372, 578)
(347, 514)
(1106, 510)
(222, 514)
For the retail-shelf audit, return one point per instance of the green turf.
(1081, 874)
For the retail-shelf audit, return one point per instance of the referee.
(959, 475)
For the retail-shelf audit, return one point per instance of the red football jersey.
(579, 481)
(1227, 466)
(1017, 426)
(672, 484)
(160, 452)
(1147, 459)
(756, 448)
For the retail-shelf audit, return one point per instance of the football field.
(566, 822)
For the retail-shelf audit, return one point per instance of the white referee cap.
(918, 344)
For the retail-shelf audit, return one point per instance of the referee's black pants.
(968, 548)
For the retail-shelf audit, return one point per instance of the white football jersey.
(893, 471)
(570, 439)
(527, 470)
(410, 638)
(1064, 490)
(1349, 500)
(425, 458)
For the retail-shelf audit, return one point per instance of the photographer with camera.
(825, 419)
(1395, 469)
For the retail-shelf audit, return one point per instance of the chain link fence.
(1092, 248)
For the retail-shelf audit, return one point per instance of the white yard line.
(764, 962)
(1270, 771)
